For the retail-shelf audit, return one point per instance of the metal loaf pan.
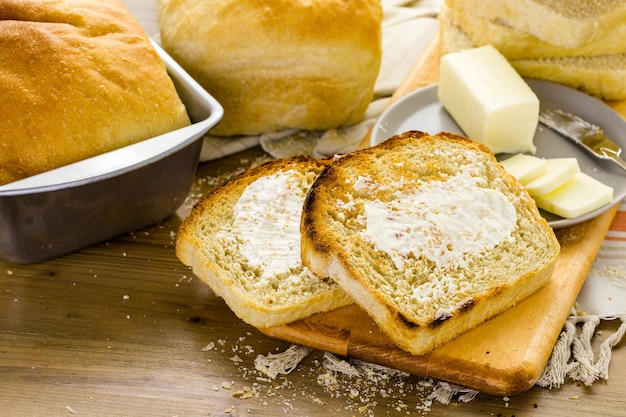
(91, 201)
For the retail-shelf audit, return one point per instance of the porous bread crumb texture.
(586, 9)
(390, 174)
(219, 242)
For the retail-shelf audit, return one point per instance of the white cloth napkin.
(406, 29)
(602, 297)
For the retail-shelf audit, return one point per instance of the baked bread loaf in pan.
(78, 78)
(428, 234)
(82, 203)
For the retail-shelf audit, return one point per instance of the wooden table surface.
(124, 329)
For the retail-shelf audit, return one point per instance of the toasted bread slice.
(243, 240)
(428, 234)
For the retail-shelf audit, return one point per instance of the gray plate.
(78, 205)
(421, 110)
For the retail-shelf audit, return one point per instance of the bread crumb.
(281, 363)
(244, 393)
(359, 386)
(208, 347)
(203, 185)
(319, 402)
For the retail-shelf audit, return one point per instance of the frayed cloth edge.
(573, 356)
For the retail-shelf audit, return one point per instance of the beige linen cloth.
(603, 297)
(407, 28)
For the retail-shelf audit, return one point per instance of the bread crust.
(278, 64)
(598, 75)
(332, 244)
(209, 242)
(559, 22)
(517, 44)
(78, 78)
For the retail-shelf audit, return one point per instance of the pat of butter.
(580, 195)
(560, 170)
(525, 168)
(489, 100)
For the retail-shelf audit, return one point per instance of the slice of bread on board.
(243, 240)
(428, 234)
(601, 76)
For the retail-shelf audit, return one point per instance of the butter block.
(525, 168)
(489, 100)
(560, 170)
(580, 195)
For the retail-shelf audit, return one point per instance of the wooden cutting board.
(504, 356)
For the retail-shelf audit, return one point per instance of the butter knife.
(587, 135)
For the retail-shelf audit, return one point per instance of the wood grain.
(72, 344)
(504, 356)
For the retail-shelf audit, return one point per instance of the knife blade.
(585, 134)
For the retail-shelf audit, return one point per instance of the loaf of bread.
(601, 76)
(243, 240)
(518, 44)
(78, 78)
(565, 23)
(428, 234)
(278, 64)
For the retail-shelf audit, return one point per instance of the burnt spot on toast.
(439, 319)
(406, 322)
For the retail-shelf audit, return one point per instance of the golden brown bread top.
(78, 78)
(278, 64)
